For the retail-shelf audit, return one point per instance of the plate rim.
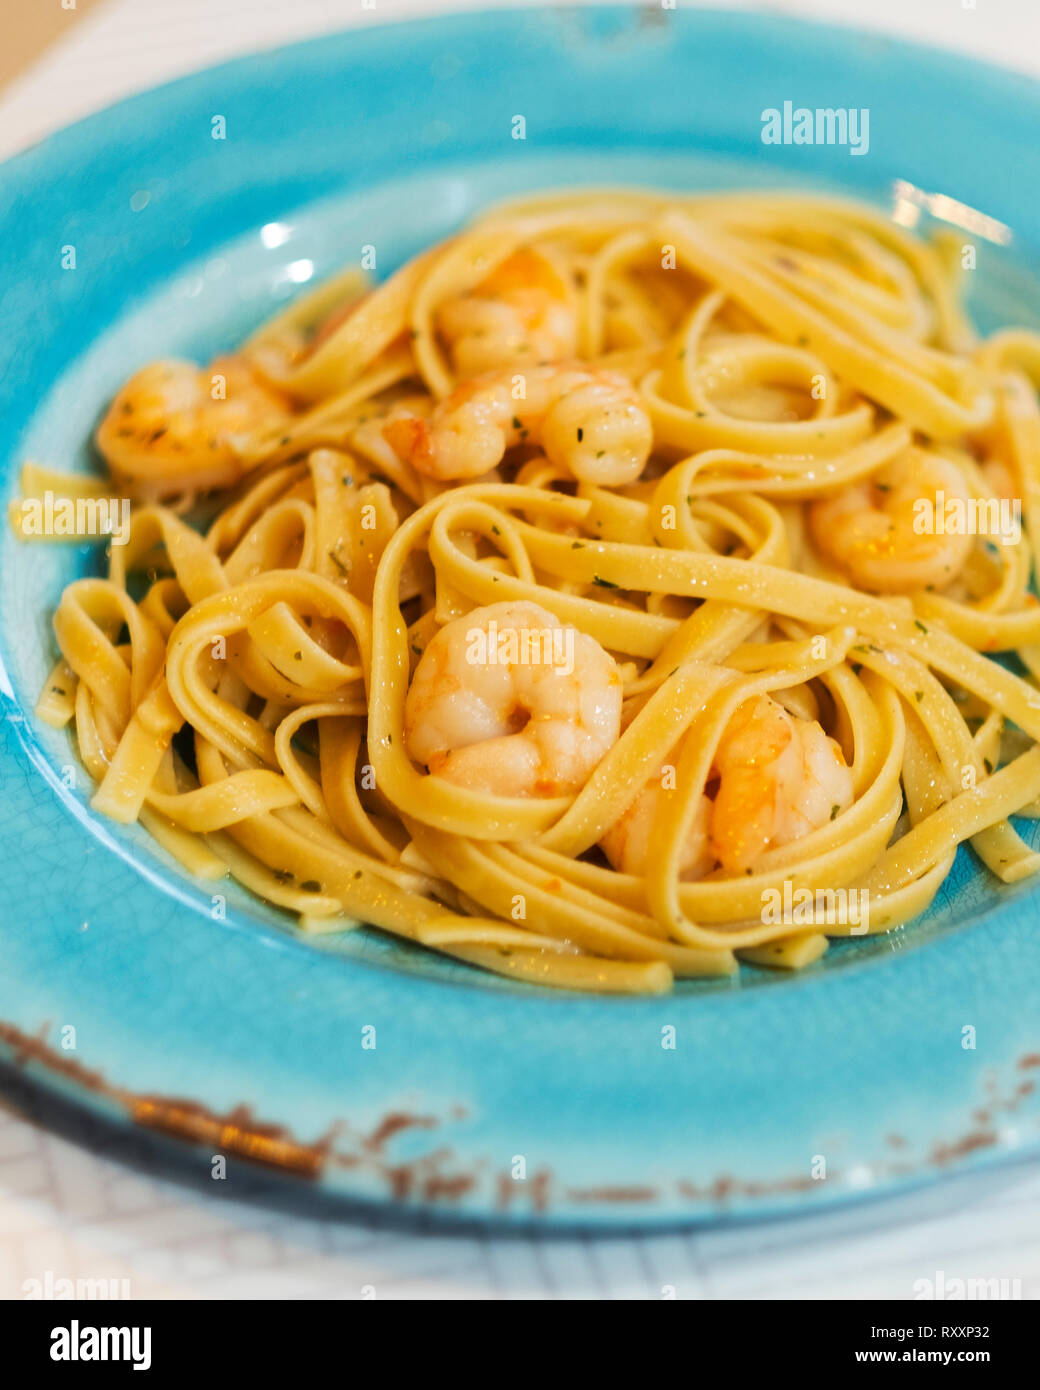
(27, 165)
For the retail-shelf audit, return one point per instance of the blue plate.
(891, 1061)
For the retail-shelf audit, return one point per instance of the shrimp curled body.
(877, 531)
(520, 313)
(175, 427)
(508, 700)
(592, 423)
(779, 777)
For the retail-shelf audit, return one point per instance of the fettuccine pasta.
(613, 579)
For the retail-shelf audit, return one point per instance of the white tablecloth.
(82, 1204)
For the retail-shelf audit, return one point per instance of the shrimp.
(628, 843)
(520, 313)
(779, 777)
(879, 531)
(175, 427)
(590, 422)
(508, 700)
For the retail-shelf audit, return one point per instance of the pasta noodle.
(738, 461)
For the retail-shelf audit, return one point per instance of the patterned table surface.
(79, 1203)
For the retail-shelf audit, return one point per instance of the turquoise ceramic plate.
(479, 1097)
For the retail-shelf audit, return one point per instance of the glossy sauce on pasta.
(697, 434)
